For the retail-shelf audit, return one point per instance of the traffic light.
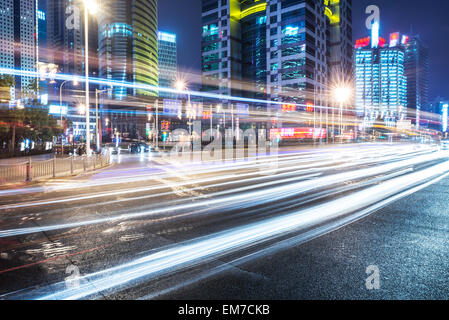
(165, 125)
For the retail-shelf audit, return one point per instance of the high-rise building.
(340, 45)
(17, 39)
(273, 49)
(381, 84)
(65, 49)
(434, 115)
(167, 61)
(128, 44)
(42, 42)
(128, 52)
(417, 73)
(66, 35)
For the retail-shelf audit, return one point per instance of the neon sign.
(298, 133)
(207, 115)
(394, 39)
(309, 107)
(288, 107)
(404, 40)
(362, 43)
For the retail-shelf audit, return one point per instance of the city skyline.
(394, 16)
(223, 150)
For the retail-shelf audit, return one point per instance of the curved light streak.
(211, 247)
(257, 197)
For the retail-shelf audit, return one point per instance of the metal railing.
(53, 168)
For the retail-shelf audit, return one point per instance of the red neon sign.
(298, 133)
(362, 43)
(366, 42)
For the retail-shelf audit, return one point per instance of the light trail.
(256, 197)
(115, 83)
(327, 165)
(211, 247)
(249, 162)
(131, 85)
(314, 233)
(376, 152)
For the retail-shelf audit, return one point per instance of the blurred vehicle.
(139, 148)
(112, 148)
(124, 148)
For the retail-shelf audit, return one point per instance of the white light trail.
(243, 198)
(211, 247)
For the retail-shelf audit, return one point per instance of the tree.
(6, 82)
(32, 122)
(31, 90)
(10, 120)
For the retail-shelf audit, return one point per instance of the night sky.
(426, 18)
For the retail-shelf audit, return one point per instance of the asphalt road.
(304, 224)
(407, 240)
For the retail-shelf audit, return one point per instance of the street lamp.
(81, 108)
(181, 85)
(75, 83)
(91, 7)
(342, 95)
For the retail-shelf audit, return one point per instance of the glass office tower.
(381, 84)
(18, 40)
(417, 72)
(168, 61)
(128, 51)
(279, 50)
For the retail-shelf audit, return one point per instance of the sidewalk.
(44, 167)
(41, 157)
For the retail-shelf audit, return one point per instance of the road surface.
(305, 223)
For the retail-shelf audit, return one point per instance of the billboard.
(57, 110)
(172, 107)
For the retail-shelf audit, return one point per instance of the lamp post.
(342, 95)
(182, 86)
(75, 83)
(89, 6)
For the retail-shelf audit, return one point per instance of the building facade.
(417, 73)
(279, 50)
(435, 115)
(18, 41)
(128, 51)
(167, 61)
(66, 50)
(381, 84)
